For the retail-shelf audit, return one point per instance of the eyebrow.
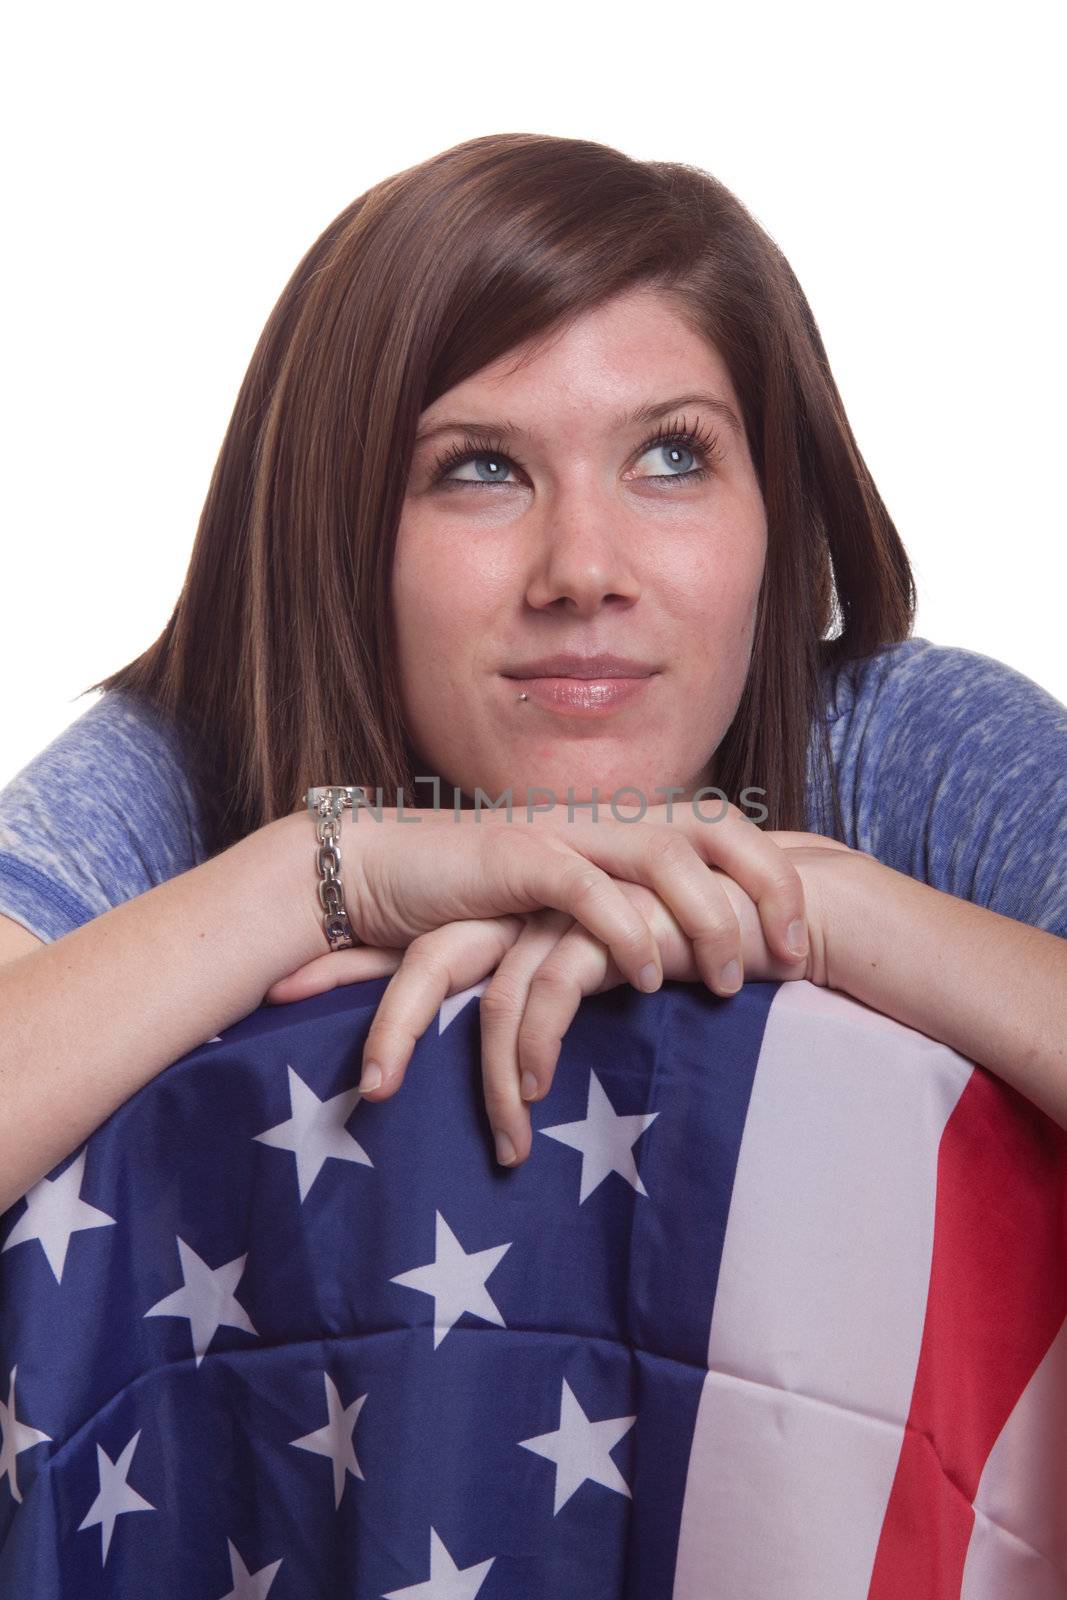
(620, 419)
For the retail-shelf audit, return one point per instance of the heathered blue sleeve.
(952, 768)
(103, 813)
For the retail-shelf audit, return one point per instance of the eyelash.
(703, 444)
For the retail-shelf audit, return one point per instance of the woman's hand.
(544, 963)
(400, 886)
(406, 878)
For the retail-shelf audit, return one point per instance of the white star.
(248, 1585)
(604, 1139)
(115, 1496)
(334, 1439)
(55, 1211)
(206, 1298)
(315, 1131)
(446, 1581)
(15, 1436)
(454, 1004)
(580, 1449)
(456, 1281)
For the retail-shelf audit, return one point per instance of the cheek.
(417, 593)
(715, 586)
(442, 606)
(739, 568)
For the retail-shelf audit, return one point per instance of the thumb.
(331, 970)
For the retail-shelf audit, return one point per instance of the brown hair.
(278, 661)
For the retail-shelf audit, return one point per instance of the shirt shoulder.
(103, 813)
(952, 767)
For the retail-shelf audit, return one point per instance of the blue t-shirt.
(951, 766)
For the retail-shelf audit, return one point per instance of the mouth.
(582, 696)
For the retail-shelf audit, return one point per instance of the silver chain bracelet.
(326, 804)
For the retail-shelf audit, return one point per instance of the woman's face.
(571, 534)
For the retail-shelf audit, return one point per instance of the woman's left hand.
(543, 964)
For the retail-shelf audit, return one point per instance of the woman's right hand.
(404, 878)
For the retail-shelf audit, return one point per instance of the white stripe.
(1019, 1540)
(820, 1304)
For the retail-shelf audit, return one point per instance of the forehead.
(622, 364)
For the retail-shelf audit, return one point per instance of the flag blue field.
(774, 1311)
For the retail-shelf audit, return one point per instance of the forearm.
(991, 988)
(87, 1020)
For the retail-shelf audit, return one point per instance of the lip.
(572, 665)
(581, 696)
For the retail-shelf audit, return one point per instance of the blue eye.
(499, 463)
(672, 440)
(673, 447)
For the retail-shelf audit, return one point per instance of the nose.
(583, 559)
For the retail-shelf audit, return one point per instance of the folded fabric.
(774, 1311)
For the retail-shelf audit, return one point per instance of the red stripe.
(997, 1299)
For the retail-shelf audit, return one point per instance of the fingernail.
(797, 939)
(529, 1086)
(648, 977)
(730, 976)
(372, 1077)
(505, 1150)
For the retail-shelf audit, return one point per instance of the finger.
(579, 965)
(664, 859)
(526, 1012)
(435, 965)
(758, 863)
(501, 1011)
(547, 871)
(330, 970)
(675, 947)
(701, 906)
(728, 840)
(724, 837)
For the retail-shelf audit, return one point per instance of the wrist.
(849, 891)
(326, 806)
(288, 849)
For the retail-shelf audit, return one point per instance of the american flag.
(774, 1311)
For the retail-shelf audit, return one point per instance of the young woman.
(533, 399)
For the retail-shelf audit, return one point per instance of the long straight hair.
(279, 664)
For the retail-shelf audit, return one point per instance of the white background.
(166, 169)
